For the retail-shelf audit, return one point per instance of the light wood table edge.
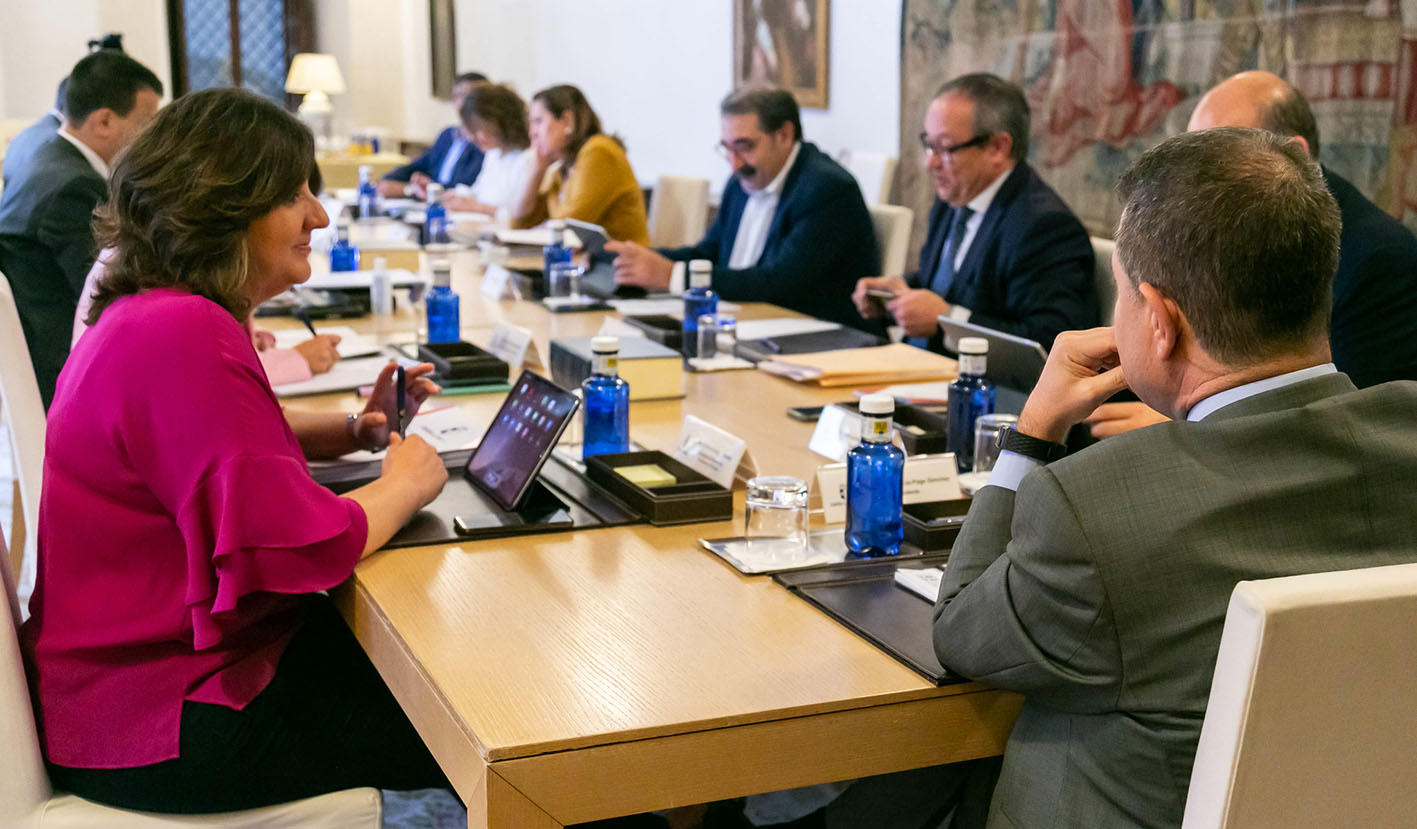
(417, 695)
(684, 769)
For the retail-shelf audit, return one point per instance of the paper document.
(871, 366)
(347, 375)
(672, 305)
(351, 342)
(781, 327)
(916, 392)
(465, 217)
(447, 429)
(535, 237)
(923, 583)
(360, 279)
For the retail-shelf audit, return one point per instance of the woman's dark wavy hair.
(182, 197)
(562, 98)
(499, 108)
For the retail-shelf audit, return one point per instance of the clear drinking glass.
(986, 430)
(708, 337)
(776, 523)
(564, 280)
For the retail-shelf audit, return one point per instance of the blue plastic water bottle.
(435, 217)
(369, 207)
(442, 307)
(875, 478)
(970, 396)
(607, 401)
(343, 255)
(699, 300)
(556, 251)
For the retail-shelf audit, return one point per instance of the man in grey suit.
(1096, 585)
(46, 211)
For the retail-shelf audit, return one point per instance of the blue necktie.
(945, 270)
(450, 161)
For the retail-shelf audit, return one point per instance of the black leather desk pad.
(866, 599)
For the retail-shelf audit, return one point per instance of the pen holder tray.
(661, 328)
(463, 361)
(922, 431)
(933, 525)
(691, 498)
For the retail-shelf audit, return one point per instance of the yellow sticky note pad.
(647, 475)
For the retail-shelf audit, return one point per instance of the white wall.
(40, 41)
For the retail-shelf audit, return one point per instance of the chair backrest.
(875, 172)
(1102, 275)
(678, 211)
(892, 223)
(23, 412)
(24, 785)
(1312, 718)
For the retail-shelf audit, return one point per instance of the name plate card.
(837, 431)
(717, 455)
(513, 345)
(499, 283)
(927, 478)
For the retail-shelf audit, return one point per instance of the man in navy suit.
(453, 159)
(1002, 249)
(792, 228)
(21, 148)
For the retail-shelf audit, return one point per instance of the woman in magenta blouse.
(181, 655)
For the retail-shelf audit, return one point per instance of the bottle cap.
(605, 345)
(366, 170)
(442, 273)
(877, 404)
(700, 273)
(973, 345)
(435, 191)
(381, 263)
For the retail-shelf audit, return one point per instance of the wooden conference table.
(570, 677)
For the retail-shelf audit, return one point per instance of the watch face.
(1002, 436)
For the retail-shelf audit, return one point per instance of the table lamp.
(316, 76)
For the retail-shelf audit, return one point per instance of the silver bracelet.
(349, 421)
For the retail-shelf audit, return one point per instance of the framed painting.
(783, 43)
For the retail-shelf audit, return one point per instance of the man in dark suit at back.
(21, 148)
(1002, 249)
(792, 228)
(1096, 584)
(46, 212)
(452, 160)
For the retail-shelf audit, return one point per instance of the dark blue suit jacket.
(1373, 328)
(1028, 270)
(819, 243)
(430, 163)
(21, 148)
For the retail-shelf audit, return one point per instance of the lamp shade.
(314, 72)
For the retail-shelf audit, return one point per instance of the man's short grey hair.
(1236, 227)
(999, 106)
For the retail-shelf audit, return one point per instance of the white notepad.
(923, 583)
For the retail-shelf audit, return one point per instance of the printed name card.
(927, 478)
(838, 430)
(513, 345)
(718, 455)
(499, 283)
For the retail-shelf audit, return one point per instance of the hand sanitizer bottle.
(607, 401)
(875, 477)
(381, 289)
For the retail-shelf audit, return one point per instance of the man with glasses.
(792, 228)
(1002, 250)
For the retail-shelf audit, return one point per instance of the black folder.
(867, 600)
(810, 343)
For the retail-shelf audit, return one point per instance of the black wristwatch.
(1013, 440)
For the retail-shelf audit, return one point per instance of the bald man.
(1373, 325)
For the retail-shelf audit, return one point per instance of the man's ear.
(1299, 139)
(1164, 320)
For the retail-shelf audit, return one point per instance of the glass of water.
(986, 433)
(775, 523)
(563, 280)
(708, 337)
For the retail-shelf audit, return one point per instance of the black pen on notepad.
(304, 316)
(402, 397)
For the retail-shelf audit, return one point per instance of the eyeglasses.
(945, 151)
(740, 148)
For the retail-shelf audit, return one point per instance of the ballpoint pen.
(402, 398)
(304, 316)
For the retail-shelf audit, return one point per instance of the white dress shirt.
(503, 177)
(95, 161)
(980, 205)
(757, 218)
(1011, 468)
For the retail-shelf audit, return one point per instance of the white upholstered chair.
(892, 223)
(875, 172)
(678, 211)
(1102, 275)
(23, 414)
(1312, 719)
